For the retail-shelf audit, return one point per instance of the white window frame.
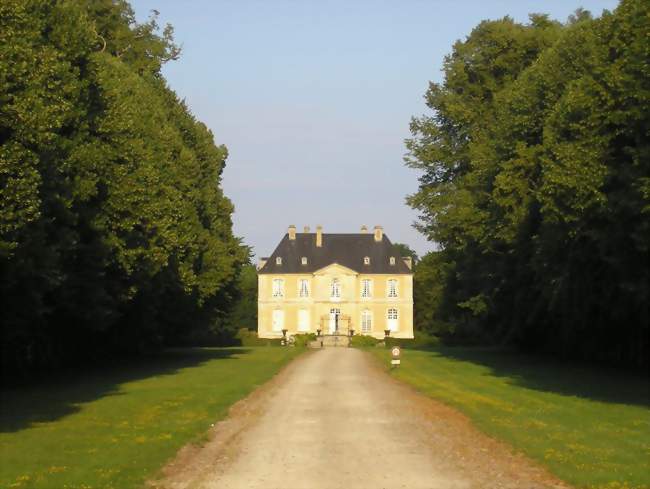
(366, 321)
(392, 260)
(303, 320)
(335, 289)
(303, 260)
(278, 287)
(278, 260)
(303, 291)
(392, 291)
(366, 260)
(366, 292)
(392, 319)
(277, 321)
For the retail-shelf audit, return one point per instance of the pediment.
(335, 269)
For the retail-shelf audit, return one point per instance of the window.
(366, 260)
(392, 288)
(303, 320)
(366, 288)
(278, 260)
(335, 289)
(303, 287)
(278, 287)
(392, 260)
(392, 317)
(303, 260)
(278, 320)
(366, 321)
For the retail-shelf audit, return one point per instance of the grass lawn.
(590, 427)
(115, 428)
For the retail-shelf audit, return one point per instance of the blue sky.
(313, 100)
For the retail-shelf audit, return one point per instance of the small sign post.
(395, 354)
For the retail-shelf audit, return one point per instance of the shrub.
(422, 341)
(361, 341)
(304, 339)
(246, 337)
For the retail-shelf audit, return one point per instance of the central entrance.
(335, 314)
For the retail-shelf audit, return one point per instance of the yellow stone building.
(336, 283)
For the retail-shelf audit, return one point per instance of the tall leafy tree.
(114, 232)
(536, 190)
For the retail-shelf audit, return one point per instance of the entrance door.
(334, 320)
(278, 320)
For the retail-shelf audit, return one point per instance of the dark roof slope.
(348, 250)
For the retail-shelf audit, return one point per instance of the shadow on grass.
(549, 375)
(63, 393)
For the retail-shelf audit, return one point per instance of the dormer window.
(366, 260)
(303, 260)
(278, 260)
(392, 260)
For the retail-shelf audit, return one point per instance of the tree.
(114, 232)
(535, 184)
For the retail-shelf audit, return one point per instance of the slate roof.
(348, 250)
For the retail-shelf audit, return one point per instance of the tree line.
(115, 235)
(535, 187)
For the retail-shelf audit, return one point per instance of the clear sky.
(313, 100)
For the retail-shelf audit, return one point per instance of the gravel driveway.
(333, 419)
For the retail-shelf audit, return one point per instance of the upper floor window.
(392, 288)
(392, 314)
(303, 287)
(366, 288)
(303, 260)
(335, 288)
(392, 260)
(366, 260)
(278, 260)
(278, 287)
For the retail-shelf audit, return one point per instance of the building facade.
(335, 283)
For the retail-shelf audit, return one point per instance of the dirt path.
(333, 419)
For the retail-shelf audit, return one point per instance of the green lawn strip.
(590, 427)
(115, 428)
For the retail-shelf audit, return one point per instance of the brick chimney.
(319, 236)
(292, 232)
(379, 233)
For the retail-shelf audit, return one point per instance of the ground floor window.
(278, 320)
(392, 317)
(303, 320)
(366, 322)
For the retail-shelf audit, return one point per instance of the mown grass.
(590, 427)
(115, 428)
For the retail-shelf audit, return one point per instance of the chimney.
(306, 230)
(262, 262)
(319, 236)
(379, 233)
(292, 232)
(409, 262)
(364, 229)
